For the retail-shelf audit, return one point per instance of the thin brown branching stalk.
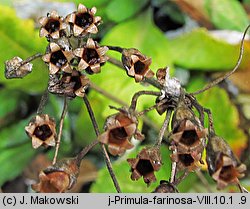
(218, 80)
(84, 151)
(163, 129)
(104, 151)
(29, 59)
(58, 140)
(143, 112)
(173, 169)
(203, 180)
(181, 178)
(43, 101)
(116, 48)
(134, 100)
(242, 189)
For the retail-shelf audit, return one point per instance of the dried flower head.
(58, 178)
(42, 131)
(15, 69)
(52, 26)
(165, 187)
(223, 166)
(69, 84)
(145, 164)
(136, 64)
(58, 59)
(83, 21)
(191, 161)
(119, 129)
(189, 137)
(92, 56)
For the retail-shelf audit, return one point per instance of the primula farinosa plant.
(72, 57)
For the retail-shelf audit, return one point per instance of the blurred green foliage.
(130, 24)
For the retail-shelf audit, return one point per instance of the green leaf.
(199, 50)
(119, 10)
(225, 114)
(18, 38)
(14, 160)
(7, 104)
(16, 151)
(227, 14)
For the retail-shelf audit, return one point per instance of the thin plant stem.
(116, 48)
(218, 80)
(150, 81)
(173, 169)
(203, 180)
(43, 101)
(143, 112)
(242, 189)
(163, 129)
(104, 151)
(58, 141)
(84, 151)
(137, 95)
(181, 178)
(29, 59)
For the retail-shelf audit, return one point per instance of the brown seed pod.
(191, 161)
(42, 131)
(68, 84)
(165, 187)
(223, 166)
(119, 129)
(92, 56)
(15, 69)
(58, 178)
(188, 137)
(136, 64)
(58, 59)
(53, 26)
(83, 21)
(145, 164)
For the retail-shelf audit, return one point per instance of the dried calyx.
(223, 165)
(58, 178)
(15, 68)
(165, 187)
(119, 130)
(42, 131)
(188, 138)
(145, 164)
(136, 64)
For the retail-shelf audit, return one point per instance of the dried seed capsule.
(58, 178)
(92, 56)
(165, 187)
(68, 84)
(145, 164)
(223, 166)
(42, 131)
(119, 129)
(58, 59)
(136, 64)
(53, 26)
(15, 69)
(83, 21)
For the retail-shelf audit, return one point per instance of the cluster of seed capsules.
(72, 56)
